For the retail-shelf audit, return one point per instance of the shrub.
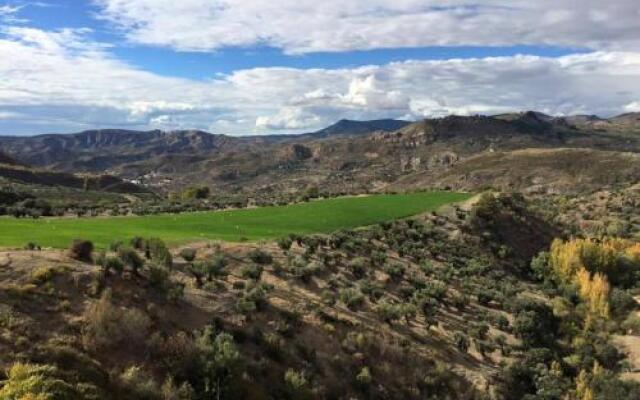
(44, 274)
(351, 298)
(216, 267)
(42, 382)
(198, 270)
(156, 250)
(107, 325)
(395, 270)
(285, 243)
(461, 341)
(159, 278)
(364, 378)
(138, 243)
(115, 245)
(188, 254)
(81, 250)
(358, 267)
(32, 246)
(297, 384)
(260, 257)
(111, 263)
(388, 312)
(373, 289)
(139, 384)
(253, 272)
(131, 259)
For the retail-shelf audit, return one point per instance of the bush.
(188, 254)
(31, 246)
(297, 384)
(81, 250)
(159, 278)
(364, 378)
(461, 341)
(216, 267)
(388, 312)
(138, 243)
(114, 264)
(253, 272)
(395, 271)
(138, 384)
(351, 298)
(156, 250)
(285, 243)
(131, 259)
(198, 270)
(107, 326)
(358, 267)
(42, 382)
(260, 257)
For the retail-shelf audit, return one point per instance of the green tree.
(220, 363)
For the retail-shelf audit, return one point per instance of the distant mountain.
(105, 149)
(351, 127)
(632, 119)
(348, 156)
(98, 150)
(5, 159)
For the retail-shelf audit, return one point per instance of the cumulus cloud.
(62, 81)
(634, 106)
(339, 25)
(289, 118)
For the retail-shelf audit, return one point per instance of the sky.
(246, 67)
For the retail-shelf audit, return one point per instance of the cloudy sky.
(258, 66)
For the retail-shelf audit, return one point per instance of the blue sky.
(59, 14)
(253, 66)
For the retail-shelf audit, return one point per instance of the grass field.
(321, 216)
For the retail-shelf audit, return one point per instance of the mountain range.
(355, 156)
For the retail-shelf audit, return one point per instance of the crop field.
(322, 216)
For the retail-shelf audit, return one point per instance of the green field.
(320, 216)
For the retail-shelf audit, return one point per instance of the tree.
(81, 250)
(42, 382)
(220, 363)
(535, 323)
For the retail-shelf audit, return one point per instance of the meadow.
(321, 216)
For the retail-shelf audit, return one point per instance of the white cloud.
(61, 81)
(289, 118)
(634, 106)
(302, 26)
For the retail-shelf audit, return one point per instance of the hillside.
(559, 170)
(351, 127)
(443, 306)
(5, 159)
(379, 161)
(347, 157)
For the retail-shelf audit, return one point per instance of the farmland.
(321, 216)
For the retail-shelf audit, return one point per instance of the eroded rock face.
(409, 164)
(444, 159)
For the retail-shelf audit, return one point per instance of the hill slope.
(347, 157)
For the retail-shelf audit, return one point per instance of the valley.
(318, 216)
